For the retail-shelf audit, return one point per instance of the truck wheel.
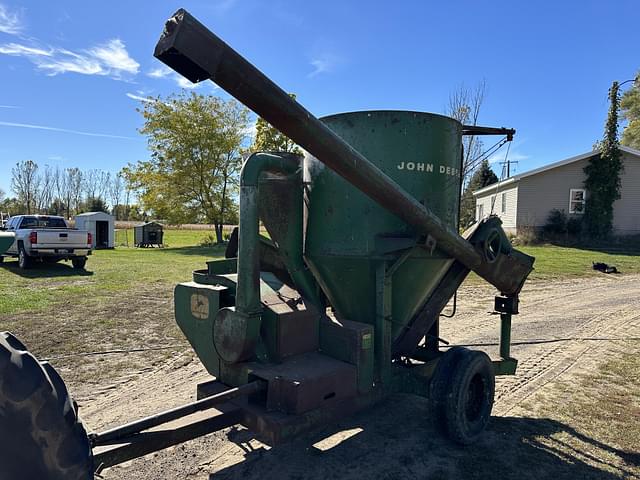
(24, 260)
(79, 262)
(40, 433)
(469, 397)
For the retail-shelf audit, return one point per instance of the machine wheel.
(469, 397)
(79, 262)
(440, 382)
(40, 433)
(24, 261)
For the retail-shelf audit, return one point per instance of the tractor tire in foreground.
(41, 436)
(462, 393)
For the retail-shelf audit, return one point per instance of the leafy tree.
(630, 108)
(482, 177)
(195, 144)
(603, 175)
(95, 204)
(12, 206)
(57, 207)
(270, 139)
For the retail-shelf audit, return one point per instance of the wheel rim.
(475, 398)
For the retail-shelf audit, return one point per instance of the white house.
(524, 201)
(101, 226)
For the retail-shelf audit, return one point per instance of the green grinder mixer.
(339, 307)
(6, 240)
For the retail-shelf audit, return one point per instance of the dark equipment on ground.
(604, 268)
(341, 306)
(148, 235)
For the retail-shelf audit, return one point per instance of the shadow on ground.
(626, 248)
(213, 252)
(391, 443)
(46, 270)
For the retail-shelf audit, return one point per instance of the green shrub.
(556, 222)
(574, 225)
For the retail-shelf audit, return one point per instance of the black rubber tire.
(232, 247)
(469, 397)
(24, 261)
(439, 385)
(41, 436)
(79, 262)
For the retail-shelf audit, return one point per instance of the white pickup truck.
(46, 238)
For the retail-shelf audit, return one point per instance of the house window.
(503, 207)
(576, 201)
(480, 211)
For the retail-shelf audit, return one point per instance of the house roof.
(544, 168)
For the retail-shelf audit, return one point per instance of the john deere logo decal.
(200, 306)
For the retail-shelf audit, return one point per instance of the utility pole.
(506, 165)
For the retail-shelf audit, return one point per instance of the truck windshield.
(43, 222)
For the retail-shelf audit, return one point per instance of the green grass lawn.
(107, 273)
(553, 262)
(126, 269)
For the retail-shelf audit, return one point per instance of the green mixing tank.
(348, 234)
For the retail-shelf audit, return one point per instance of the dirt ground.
(566, 330)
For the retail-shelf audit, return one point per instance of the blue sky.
(71, 71)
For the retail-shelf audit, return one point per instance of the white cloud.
(113, 54)
(9, 21)
(165, 72)
(107, 59)
(140, 98)
(63, 130)
(9, 106)
(19, 50)
(160, 72)
(184, 83)
(323, 64)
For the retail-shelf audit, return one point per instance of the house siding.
(494, 197)
(626, 210)
(541, 193)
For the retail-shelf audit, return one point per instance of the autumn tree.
(25, 183)
(75, 182)
(195, 144)
(269, 139)
(46, 190)
(630, 110)
(603, 175)
(116, 188)
(482, 177)
(464, 105)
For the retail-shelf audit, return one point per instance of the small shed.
(101, 226)
(148, 235)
